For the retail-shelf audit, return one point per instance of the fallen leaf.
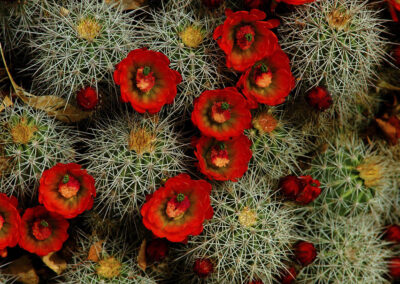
(5, 102)
(55, 262)
(141, 259)
(22, 268)
(128, 4)
(95, 251)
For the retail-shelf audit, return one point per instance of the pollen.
(247, 217)
(339, 19)
(88, 29)
(192, 36)
(371, 173)
(22, 133)
(141, 141)
(109, 268)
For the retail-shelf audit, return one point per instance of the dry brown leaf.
(55, 262)
(22, 268)
(141, 259)
(52, 105)
(95, 251)
(5, 102)
(128, 4)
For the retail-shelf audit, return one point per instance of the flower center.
(109, 268)
(220, 112)
(245, 37)
(339, 19)
(370, 172)
(1, 221)
(177, 206)
(69, 186)
(247, 217)
(22, 133)
(144, 79)
(262, 76)
(219, 156)
(191, 36)
(41, 229)
(265, 122)
(88, 29)
(141, 141)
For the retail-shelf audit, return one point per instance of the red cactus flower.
(178, 209)
(392, 234)
(212, 3)
(221, 114)
(310, 190)
(290, 186)
(227, 160)
(289, 276)
(269, 81)
(394, 267)
(246, 39)
(203, 267)
(393, 6)
(42, 231)
(67, 190)
(146, 81)
(87, 98)
(10, 223)
(319, 98)
(157, 250)
(305, 252)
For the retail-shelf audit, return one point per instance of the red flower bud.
(157, 250)
(310, 190)
(87, 98)
(290, 186)
(394, 267)
(203, 267)
(319, 98)
(392, 234)
(305, 252)
(212, 3)
(289, 276)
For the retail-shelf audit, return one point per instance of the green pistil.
(249, 37)
(221, 146)
(146, 70)
(224, 106)
(44, 223)
(65, 179)
(263, 68)
(180, 197)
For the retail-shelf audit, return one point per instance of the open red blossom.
(42, 231)
(392, 234)
(269, 81)
(178, 209)
(146, 81)
(305, 252)
(310, 190)
(227, 160)
(246, 39)
(394, 267)
(203, 267)
(10, 223)
(221, 114)
(67, 190)
(319, 98)
(289, 276)
(87, 98)
(290, 186)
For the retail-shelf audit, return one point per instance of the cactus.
(336, 44)
(277, 146)
(349, 250)
(184, 34)
(129, 156)
(249, 236)
(354, 177)
(104, 261)
(78, 45)
(30, 142)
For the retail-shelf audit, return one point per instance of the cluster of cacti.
(199, 141)
(31, 142)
